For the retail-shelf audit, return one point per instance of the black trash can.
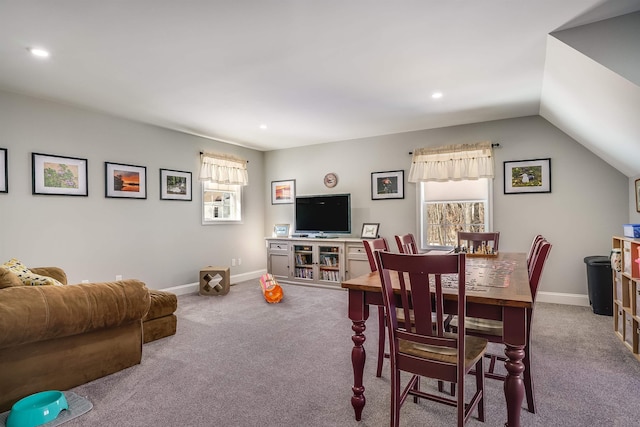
(600, 284)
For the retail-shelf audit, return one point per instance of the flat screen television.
(323, 214)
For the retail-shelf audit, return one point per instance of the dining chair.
(370, 246)
(479, 239)
(423, 348)
(492, 329)
(406, 244)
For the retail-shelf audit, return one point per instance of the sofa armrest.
(36, 313)
(53, 272)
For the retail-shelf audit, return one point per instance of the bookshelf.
(626, 293)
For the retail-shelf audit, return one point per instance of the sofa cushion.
(27, 277)
(163, 303)
(8, 278)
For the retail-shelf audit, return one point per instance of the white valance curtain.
(452, 163)
(223, 169)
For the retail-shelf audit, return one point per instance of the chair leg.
(528, 382)
(395, 397)
(480, 388)
(381, 339)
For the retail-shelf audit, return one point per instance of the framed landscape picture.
(283, 192)
(125, 181)
(527, 176)
(4, 176)
(387, 185)
(58, 176)
(175, 185)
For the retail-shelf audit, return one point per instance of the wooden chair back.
(477, 239)
(406, 244)
(533, 249)
(537, 266)
(373, 245)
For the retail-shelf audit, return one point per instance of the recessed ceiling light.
(40, 53)
(263, 126)
(436, 95)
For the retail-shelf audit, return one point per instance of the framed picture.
(387, 185)
(637, 195)
(175, 185)
(369, 230)
(281, 230)
(283, 192)
(4, 176)
(527, 176)
(125, 181)
(59, 176)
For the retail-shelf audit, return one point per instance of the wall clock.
(330, 180)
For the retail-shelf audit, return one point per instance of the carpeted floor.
(238, 361)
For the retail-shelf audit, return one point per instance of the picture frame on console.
(527, 176)
(58, 175)
(175, 185)
(125, 181)
(281, 230)
(387, 185)
(283, 192)
(4, 175)
(370, 230)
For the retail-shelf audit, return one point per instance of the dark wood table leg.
(358, 313)
(515, 333)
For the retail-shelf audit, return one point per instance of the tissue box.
(631, 230)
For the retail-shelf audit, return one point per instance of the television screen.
(323, 214)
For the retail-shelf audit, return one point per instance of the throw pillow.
(26, 276)
(8, 279)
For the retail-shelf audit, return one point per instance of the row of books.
(330, 260)
(304, 273)
(331, 275)
(302, 259)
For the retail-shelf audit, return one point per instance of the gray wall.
(159, 242)
(588, 203)
(164, 244)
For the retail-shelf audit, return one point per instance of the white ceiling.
(312, 71)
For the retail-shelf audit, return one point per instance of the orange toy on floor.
(270, 289)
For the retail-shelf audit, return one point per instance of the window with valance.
(454, 191)
(222, 178)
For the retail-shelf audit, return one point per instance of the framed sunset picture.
(125, 181)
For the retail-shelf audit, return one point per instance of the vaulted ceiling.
(321, 71)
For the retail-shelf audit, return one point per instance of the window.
(452, 206)
(221, 203)
(222, 178)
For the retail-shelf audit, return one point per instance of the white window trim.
(222, 220)
(420, 213)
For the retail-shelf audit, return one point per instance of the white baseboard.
(562, 298)
(191, 288)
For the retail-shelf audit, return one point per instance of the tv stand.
(307, 261)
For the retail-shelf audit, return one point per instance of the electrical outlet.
(239, 261)
(118, 276)
(233, 262)
(85, 281)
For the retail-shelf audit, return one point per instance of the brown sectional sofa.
(58, 337)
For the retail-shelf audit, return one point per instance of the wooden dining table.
(497, 288)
